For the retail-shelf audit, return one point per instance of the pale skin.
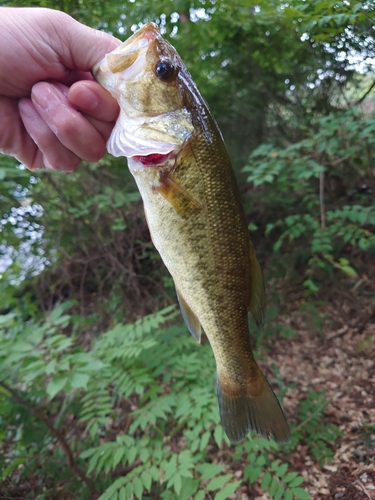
(53, 114)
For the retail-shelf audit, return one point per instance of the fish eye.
(164, 69)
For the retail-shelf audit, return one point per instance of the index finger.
(94, 100)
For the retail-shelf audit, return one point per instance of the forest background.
(103, 393)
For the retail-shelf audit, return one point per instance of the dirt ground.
(336, 356)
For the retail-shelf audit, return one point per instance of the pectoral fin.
(258, 301)
(191, 320)
(184, 204)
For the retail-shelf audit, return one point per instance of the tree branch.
(58, 436)
(321, 198)
(365, 94)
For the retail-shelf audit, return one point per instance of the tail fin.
(242, 413)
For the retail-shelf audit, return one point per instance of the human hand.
(52, 113)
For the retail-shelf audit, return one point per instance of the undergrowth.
(134, 413)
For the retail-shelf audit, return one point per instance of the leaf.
(55, 314)
(349, 271)
(79, 380)
(301, 494)
(22, 347)
(93, 365)
(138, 487)
(290, 476)
(118, 456)
(296, 481)
(177, 483)
(279, 492)
(281, 470)
(218, 482)
(218, 435)
(112, 491)
(266, 479)
(209, 470)
(189, 487)
(51, 367)
(6, 318)
(131, 455)
(288, 494)
(204, 440)
(200, 495)
(146, 480)
(273, 487)
(87, 453)
(252, 473)
(63, 344)
(62, 320)
(227, 490)
(56, 385)
(122, 494)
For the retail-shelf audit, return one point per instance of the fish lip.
(149, 31)
(130, 49)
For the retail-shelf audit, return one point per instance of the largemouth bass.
(196, 219)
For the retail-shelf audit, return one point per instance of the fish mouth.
(124, 56)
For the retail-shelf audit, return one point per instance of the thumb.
(85, 46)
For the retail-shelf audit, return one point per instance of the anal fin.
(191, 320)
(184, 204)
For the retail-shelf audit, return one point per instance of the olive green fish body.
(197, 222)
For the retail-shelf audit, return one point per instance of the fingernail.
(84, 98)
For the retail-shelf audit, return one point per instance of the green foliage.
(99, 397)
(313, 215)
(273, 476)
(312, 317)
(320, 438)
(143, 400)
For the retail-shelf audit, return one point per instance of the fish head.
(144, 75)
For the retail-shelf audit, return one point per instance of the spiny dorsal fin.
(191, 320)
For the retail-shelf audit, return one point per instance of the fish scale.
(196, 219)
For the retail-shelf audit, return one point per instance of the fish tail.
(248, 410)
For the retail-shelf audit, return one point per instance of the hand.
(52, 113)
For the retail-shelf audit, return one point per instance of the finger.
(51, 154)
(15, 140)
(76, 75)
(94, 100)
(104, 128)
(71, 128)
(85, 46)
(105, 99)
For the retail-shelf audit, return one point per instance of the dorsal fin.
(258, 300)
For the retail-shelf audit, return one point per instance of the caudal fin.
(243, 413)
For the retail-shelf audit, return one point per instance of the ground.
(334, 351)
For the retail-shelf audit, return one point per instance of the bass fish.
(193, 208)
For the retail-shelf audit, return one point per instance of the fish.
(193, 208)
